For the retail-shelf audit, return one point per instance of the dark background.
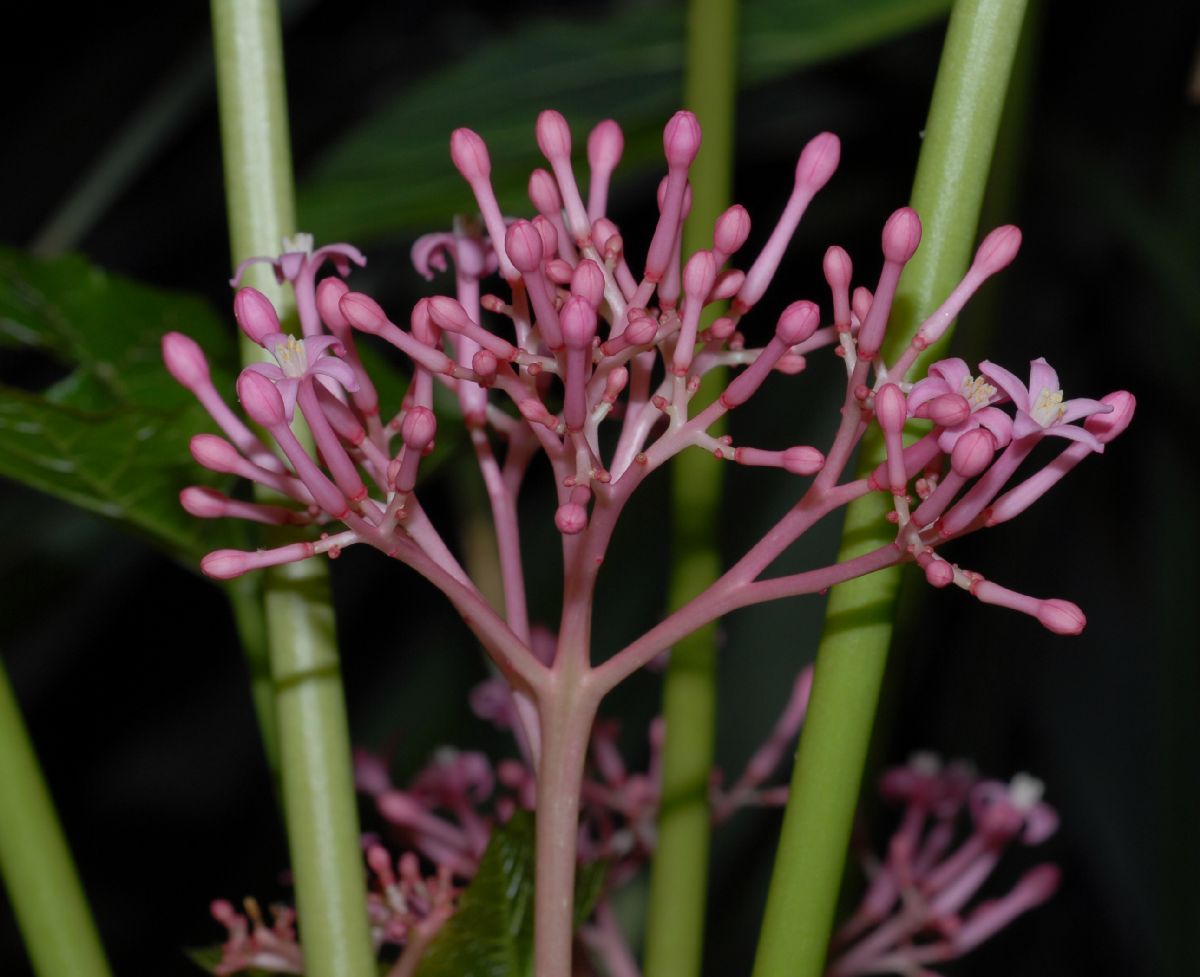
(126, 663)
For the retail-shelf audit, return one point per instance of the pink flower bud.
(587, 282)
(817, 162)
(945, 410)
(605, 145)
(939, 573)
(329, 294)
(418, 428)
(641, 331)
(543, 192)
(731, 230)
(553, 136)
(185, 360)
(484, 364)
(524, 245)
(255, 314)
(570, 518)
(860, 302)
(803, 460)
(891, 409)
(798, 322)
(260, 399)
(202, 502)
(901, 235)
(997, 250)
(227, 564)
(838, 268)
(216, 454)
(973, 452)
(681, 140)
(1107, 426)
(549, 236)
(449, 314)
(578, 321)
(728, 284)
(470, 155)
(559, 272)
(1061, 616)
(363, 313)
(422, 325)
(699, 274)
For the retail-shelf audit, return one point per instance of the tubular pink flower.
(554, 140)
(730, 232)
(996, 252)
(798, 319)
(681, 142)
(578, 321)
(838, 271)
(901, 235)
(255, 314)
(816, 165)
(891, 410)
(227, 564)
(470, 156)
(452, 317)
(605, 145)
(699, 275)
(365, 315)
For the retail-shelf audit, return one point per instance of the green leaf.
(393, 172)
(112, 435)
(491, 934)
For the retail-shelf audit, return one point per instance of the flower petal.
(1073, 410)
(429, 253)
(268, 370)
(1073, 433)
(954, 371)
(236, 280)
(1006, 382)
(338, 370)
(1042, 376)
(928, 388)
(998, 422)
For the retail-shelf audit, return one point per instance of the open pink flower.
(953, 376)
(299, 257)
(296, 359)
(1040, 406)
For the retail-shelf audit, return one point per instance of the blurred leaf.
(105, 328)
(393, 172)
(112, 436)
(491, 934)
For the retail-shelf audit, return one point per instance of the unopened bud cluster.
(580, 342)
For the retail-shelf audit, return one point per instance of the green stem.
(947, 192)
(679, 873)
(35, 863)
(318, 783)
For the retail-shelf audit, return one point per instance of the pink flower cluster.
(444, 818)
(586, 343)
(915, 909)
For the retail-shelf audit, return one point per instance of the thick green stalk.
(679, 873)
(947, 193)
(318, 784)
(35, 863)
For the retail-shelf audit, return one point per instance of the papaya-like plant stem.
(35, 863)
(318, 784)
(679, 871)
(947, 194)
